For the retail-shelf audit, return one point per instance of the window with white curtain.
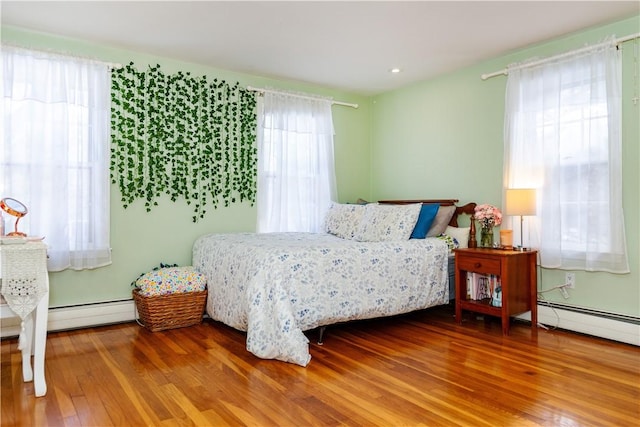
(296, 176)
(55, 152)
(563, 137)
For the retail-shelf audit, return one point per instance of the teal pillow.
(425, 219)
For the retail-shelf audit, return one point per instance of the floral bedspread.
(274, 286)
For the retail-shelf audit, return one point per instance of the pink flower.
(488, 215)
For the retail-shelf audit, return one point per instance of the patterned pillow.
(343, 220)
(450, 241)
(171, 280)
(388, 222)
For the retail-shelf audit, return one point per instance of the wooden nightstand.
(514, 271)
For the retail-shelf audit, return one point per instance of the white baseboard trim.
(602, 326)
(62, 318)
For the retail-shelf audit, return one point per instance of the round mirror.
(14, 208)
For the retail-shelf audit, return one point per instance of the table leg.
(40, 342)
(25, 342)
(505, 323)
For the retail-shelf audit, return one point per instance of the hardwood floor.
(417, 369)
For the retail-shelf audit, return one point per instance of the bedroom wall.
(440, 138)
(142, 240)
(444, 138)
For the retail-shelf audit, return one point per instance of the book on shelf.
(481, 286)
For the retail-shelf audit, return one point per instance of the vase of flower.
(488, 216)
(486, 237)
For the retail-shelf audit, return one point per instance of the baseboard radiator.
(616, 327)
(79, 316)
(590, 322)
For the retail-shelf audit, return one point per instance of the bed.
(276, 286)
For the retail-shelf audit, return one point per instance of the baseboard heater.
(77, 316)
(601, 324)
(613, 326)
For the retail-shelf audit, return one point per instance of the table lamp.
(520, 202)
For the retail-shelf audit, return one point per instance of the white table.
(25, 287)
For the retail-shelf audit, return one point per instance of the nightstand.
(482, 269)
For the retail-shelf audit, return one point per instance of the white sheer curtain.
(563, 137)
(296, 175)
(55, 152)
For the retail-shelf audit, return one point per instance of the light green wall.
(444, 138)
(142, 240)
(440, 138)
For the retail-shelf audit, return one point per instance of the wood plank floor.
(418, 369)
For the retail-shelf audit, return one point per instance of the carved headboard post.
(469, 209)
(473, 243)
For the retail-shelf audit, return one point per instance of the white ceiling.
(342, 45)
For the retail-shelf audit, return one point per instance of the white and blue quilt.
(274, 286)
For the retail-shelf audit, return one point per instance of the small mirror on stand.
(14, 208)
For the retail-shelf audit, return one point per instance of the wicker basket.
(178, 310)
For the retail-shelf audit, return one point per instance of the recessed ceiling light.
(395, 70)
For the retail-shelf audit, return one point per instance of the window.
(55, 153)
(296, 178)
(582, 166)
(562, 130)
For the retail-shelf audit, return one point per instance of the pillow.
(441, 221)
(425, 219)
(459, 234)
(388, 222)
(451, 243)
(343, 220)
(171, 280)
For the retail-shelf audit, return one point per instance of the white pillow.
(460, 234)
(387, 222)
(343, 220)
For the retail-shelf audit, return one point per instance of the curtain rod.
(505, 71)
(261, 90)
(63, 54)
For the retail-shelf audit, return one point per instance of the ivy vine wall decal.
(182, 136)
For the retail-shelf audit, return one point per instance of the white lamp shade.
(520, 201)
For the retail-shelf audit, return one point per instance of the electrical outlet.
(570, 280)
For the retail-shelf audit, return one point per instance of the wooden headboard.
(465, 209)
